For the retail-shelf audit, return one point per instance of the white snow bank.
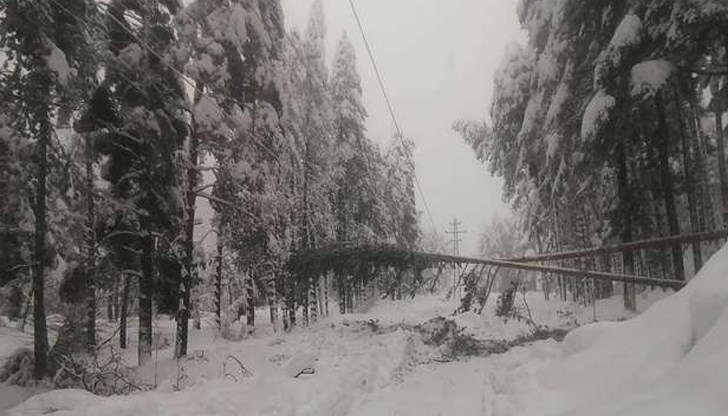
(57, 402)
(596, 113)
(671, 360)
(648, 77)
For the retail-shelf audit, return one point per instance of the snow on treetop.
(229, 25)
(557, 103)
(547, 68)
(538, 17)
(596, 113)
(627, 33)
(57, 63)
(552, 145)
(208, 114)
(648, 77)
(533, 112)
(512, 78)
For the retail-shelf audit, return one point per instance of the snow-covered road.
(379, 363)
(481, 386)
(359, 370)
(372, 375)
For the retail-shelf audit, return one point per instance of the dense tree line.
(607, 126)
(111, 113)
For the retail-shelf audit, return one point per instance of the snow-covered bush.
(18, 369)
(504, 303)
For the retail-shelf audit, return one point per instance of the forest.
(113, 113)
(608, 127)
(197, 217)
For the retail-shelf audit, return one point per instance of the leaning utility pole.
(456, 240)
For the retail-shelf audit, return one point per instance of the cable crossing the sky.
(389, 106)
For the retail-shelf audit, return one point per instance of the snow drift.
(671, 360)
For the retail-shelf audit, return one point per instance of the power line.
(389, 106)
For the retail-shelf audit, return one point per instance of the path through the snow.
(365, 364)
(480, 386)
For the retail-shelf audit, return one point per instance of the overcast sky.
(437, 59)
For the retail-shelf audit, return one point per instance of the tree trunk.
(218, 283)
(667, 187)
(249, 301)
(146, 292)
(110, 307)
(690, 188)
(313, 299)
(124, 310)
(723, 174)
(117, 299)
(187, 270)
(114, 299)
(326, 294)
(557, 243)
(90, 251)
(304, 310)
(350, 296)
(273, 310)
(285, 317)
(40, 332)
(342, 295)
(292, 315)
(626, 214)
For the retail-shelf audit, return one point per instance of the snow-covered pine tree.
(43, 43)
(355, 156)
(400, 197)
(212, 39)
(291, 164)
(143, 164)
(259, 247)
(317, 186)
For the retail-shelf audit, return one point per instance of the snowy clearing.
(362, 364)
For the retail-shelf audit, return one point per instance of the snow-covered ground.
(643, 366)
